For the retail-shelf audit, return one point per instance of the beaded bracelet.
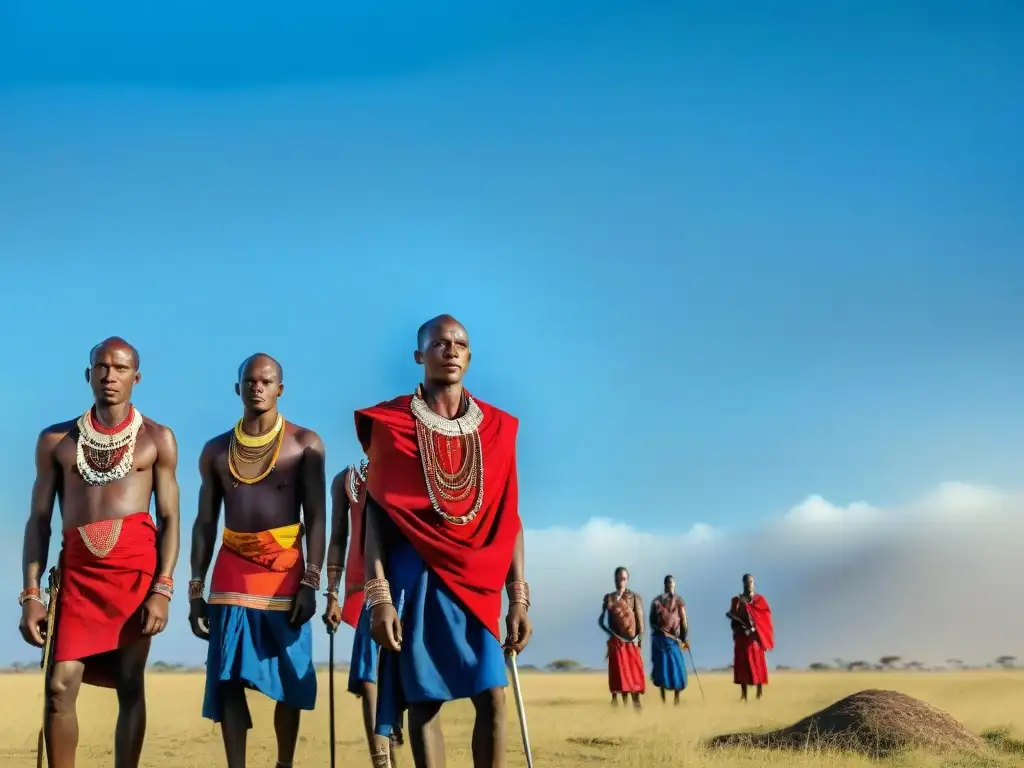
(196, 588)
(32, 593)
(518, 592)
(164, 585)
(378, 592)
(312, 577)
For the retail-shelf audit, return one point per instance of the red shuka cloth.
(100, 595)
(625, 668)
(749, 666)
(473, 559)
(355, 568)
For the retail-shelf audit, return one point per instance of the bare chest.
(268, 503)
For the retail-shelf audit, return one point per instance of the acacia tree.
(889, 661)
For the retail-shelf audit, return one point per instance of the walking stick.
(330, 687)
(46, 663)
(517, 690)
(695, 675)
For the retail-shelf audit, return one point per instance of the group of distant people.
(419, 552)
(622, 619)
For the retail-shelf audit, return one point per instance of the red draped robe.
(750, 666)
(355, 569)
(472, 559)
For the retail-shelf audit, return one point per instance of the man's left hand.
(154, 614)
(518, 628)
(304, 606)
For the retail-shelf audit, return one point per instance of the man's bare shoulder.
(50, 436)
(162, 435)
(340, 481)
(217, 444)
(305, 436)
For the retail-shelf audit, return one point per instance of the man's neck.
(748, 593)
(445, 399)
(112, 415)
(255, 423)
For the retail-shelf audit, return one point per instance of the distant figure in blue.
(348, 497)
(670, 630)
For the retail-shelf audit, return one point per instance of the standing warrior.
(668, 619)
(622, 617)
(348, 497)
(441, 541)
(752, 632)
(269, 474)
(115, 567)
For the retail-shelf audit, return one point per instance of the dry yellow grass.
(571, 722)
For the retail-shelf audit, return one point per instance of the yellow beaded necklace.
(245, 449)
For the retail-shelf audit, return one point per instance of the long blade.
(330, 686)
(517, 691)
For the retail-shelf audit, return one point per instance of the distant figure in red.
(752, 634)
(622, 617)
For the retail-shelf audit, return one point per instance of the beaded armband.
(518, 592)
(195, 589)
(311, 578)
(32, 593)
(377, 592)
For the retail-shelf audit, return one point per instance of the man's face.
(748, 585)
(670, 585)
(259, 386)
(445, 353)
(112, 375)
(621, 580)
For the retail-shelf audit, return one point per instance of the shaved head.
(423, 334)
(111, 344)
(261, 356)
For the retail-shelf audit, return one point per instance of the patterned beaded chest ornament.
(105, 454)
(357, 479)
(452, 457)
(253, 451)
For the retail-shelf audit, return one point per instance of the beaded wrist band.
(32, 593)
(196, 588)
(377, 592)
(518, 592)
(312, 577)
(164, 585)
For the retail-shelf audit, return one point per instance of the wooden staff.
(517, 690)
(330, 684)
(46, 663)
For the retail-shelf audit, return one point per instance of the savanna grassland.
(571, 722)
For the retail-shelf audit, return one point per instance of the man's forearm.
(168, 542)
(203, 534)
(35, 551)
(517, 568)
(374, 557)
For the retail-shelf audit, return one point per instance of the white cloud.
(929, 580)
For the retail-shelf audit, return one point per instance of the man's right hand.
(332, 615)
(198, 618)
(33, 623)
(385, 628)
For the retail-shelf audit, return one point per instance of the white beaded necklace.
(95, 444)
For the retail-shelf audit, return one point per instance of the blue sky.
(716, 260)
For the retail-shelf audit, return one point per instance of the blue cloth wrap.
(447, 653)
(669, 664)
(363, 667)
(262, 651)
